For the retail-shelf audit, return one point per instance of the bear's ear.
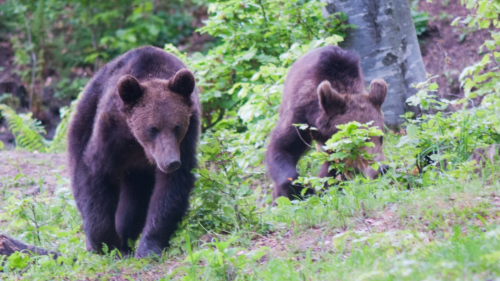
(129, 89)
(329, 99)
(378, 92)
(182, 83)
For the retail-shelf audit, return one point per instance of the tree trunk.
(9, 245)
(386, 41)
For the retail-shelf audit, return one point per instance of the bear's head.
(158, 113)
(364, 107)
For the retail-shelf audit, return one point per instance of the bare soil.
(447, 50)
(29, 171)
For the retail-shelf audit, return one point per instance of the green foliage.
(449, 138)
(348, 145)
(484, 76)
(17, 261)
(146, 23)
(446, 138)
(383, 229)
(59, 141)
(62, 42)
(223, 198)
(455, 135)
(224, 261)
(253, 33)
(27, 131)
(343, 150)
(420, 19)
(243, 78)
(426, 97)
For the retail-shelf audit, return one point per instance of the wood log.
(9, 245)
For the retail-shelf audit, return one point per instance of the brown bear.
(132, 144)
(324, 88)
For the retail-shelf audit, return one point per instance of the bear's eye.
(153, 131)
(177, 128)
(381, 140)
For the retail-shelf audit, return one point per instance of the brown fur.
(132, 145)
(324, 88)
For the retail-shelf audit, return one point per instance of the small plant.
(426, 97)
(26, 130)
(447, 139)
(344, 151)
(253, 34)
(221, 260)
(223, 196)
(420, 19)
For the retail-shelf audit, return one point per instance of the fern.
(27, 131)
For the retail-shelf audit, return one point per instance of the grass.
(446, 229)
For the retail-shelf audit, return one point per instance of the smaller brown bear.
(324, 88)
(132, 146)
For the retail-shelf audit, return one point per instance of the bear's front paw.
(148, 248)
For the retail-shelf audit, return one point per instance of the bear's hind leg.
(135, 194)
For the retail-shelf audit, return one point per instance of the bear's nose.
(383, 169)
(172, 166)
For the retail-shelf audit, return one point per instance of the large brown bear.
(132, 145)
(324, 88)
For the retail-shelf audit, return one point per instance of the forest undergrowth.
(433, 216)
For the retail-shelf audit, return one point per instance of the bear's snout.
(169, 166)
(172, 166)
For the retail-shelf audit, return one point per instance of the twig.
(263, 12)
(222, 111)
(448, 60)
(32, 208)
(301, 137)
(364, 222)
(363, 208)
(493, 57)
(33, 61)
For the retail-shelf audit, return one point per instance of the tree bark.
(9, 245)
(386, 41)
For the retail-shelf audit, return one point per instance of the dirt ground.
(29, 171)
(446, 50)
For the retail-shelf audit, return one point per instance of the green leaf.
(283, 201)
(18, 260)
(412, 131)
(228, 211)
(455, 21)
(484, 24)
